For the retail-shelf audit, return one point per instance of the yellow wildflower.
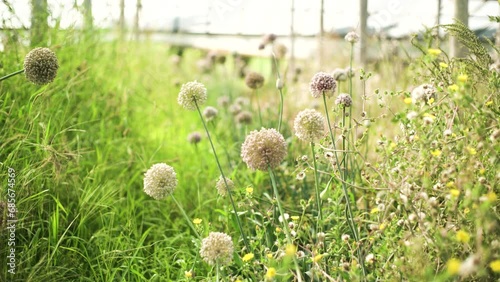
(290, 250)
(295, 217)
(382, 226)
(491, 196)
(248, 257)
(269, 256)
(434, 52)
(271, 272)
(462, 236)
(197, 221)
(495, 265)
(431, 100)
(463, 77)
(374, 210)
(436, 153)
(466, 211)
(453, 266)
(408, 100)
(471, 150)
(455, 192)
(489, 103)
(443, 65)
(317, 258)
(278, 230)
(249, 190)
(453, 88)
(188, 274)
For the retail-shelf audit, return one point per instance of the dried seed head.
(194, 138)
(344, 100)
(210, 113)
(217, 247)
(309, 125)
(159, 181)
(221, 186)
(352, 37)
(322, 82)
(244, 117)
(254, 80)
(263, 148)
(40, 66)
(192, 93)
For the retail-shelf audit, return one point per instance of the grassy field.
(407, 192)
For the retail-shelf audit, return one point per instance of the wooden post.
(363, 16)
(39, 25)
(461, 14)
(87, 14)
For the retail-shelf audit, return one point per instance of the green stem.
(224, 178)
(186, 217)
(258, 106)
(217, 270)
(11, 75)
(285, 222)
(316, 182)
(281, 93)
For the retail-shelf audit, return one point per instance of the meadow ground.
(406, 192)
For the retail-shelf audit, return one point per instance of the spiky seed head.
(40, 66)
(221, 186)
(160, 181)
(192, 93)
(344, 100)
(309, 125)
(194, 137)
(254, 80)
(352, 37)
(210, 113)
(263, 148)
(322, 82)
(217, 247)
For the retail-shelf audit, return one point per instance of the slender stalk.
(316, 182)
(11, 75)
(281, 93)
(186, 217)
(217, 270)
(285, 222)
(224, 178)
(258, 106)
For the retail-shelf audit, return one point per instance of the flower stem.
(11, 75)
(217, 270)
(281, 93)
(186, 216)
(224, 178)
(258, 106)
(316, 182)
(285, 221)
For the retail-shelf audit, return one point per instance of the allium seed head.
(263, 148)
(221, 186)
(192, 93)
(217, 246)
(40, 66)
(423, 93)
(194, 138)
(210, 113)
(352, 37)
(322, 82)
(254, 80)
(159, 181)
(309, 125)
(223, 101)
(244, 117)
(339, 74)
(344, 100)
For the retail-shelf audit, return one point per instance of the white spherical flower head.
(322, 82)
(160, 180)
(309, 125)
(192, 93)
(264, 148)
(217, 247)
(210, 113)
(221, 186)
(423, 93)
(352, 37)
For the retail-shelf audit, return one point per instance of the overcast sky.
(259, 16)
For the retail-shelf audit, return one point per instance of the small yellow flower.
(482, 171)
(491, 196)
(408, 100)
(374, 210)
(453, 266)
(471, 150)
(462, 236)
(436, 153)
(495, 265)
(238, 280)
(354, 263)
(434, 52)
(269, 256)
(443, 65)
(249, 190)
(278, 230)
(197, 221)
(429, 115)
(431, 100)
(290, 250)
(466, 211)
(451, 184)
(295, 217)
(317, 258)
(248, 257)
(463, 77)
(271, 272)
(188, 274)
(455, 192)
(382, 226)
(489, 103)
(453, 88)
